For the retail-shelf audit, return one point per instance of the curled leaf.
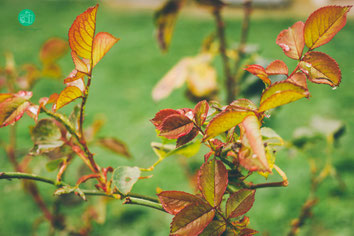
(260, 72)
(324, 24)
(321, 69)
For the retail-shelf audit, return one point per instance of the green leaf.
(13, 106)
(192, 219)
(324, 24)
(46, 136)
(68, 189)
(115, 146)
(54, 164)
(212, 181)
(321, 69)
(240, 203)
(175, 201)
(281, 93)
(215, 228)
(224, 121)
(187, 150)
(124, 177)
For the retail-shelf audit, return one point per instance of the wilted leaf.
(66, 96)
(260, 72)
(52, 50)
(321, 69)
(192, 219)
(174, 201)
(240, 203)
(212, 181)
(175, 126)
(162, 115)
(224, 121)
(124, 177)
(68, 189)
(292, 40)
(187, 138)
(13, 107)
(324, 24)
(165, 20)
(33, 111)
(251, 126)
(102, 43)
(46, 136)
(277, 67)
(215, 228)
(115, 146)
(201, 112)
(82, 31)
(298, 78)
(281, 93)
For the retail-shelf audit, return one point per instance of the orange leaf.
(277, 67)
(281, 93)
(324, 24)
(321, 68)
(52, 50)
(298, 78)
(74, 75)
(260, 72)
(102, 43)
(82, 32)
(66, 96)
(292, 40)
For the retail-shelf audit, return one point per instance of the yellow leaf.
(82, 32)
(281, 93)
(66, 96)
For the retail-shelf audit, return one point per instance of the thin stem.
(247, 6)
(229, 83)
(82, 109)
(20, 175)
(267, 185)
(143, 202)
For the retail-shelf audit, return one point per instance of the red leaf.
(192, 220)
(248, 232)
(175, 201)
(175, 126)
(260, 72)
(212, 181)
(321, 69)
(240, 203)
(277, 67)
(324, 24)
(161, 116)
(187, 138)
(201, 112)
(292, 40)
(215, 228)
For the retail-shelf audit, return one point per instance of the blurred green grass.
(121, 90)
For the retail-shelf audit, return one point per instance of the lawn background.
(121, 90)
